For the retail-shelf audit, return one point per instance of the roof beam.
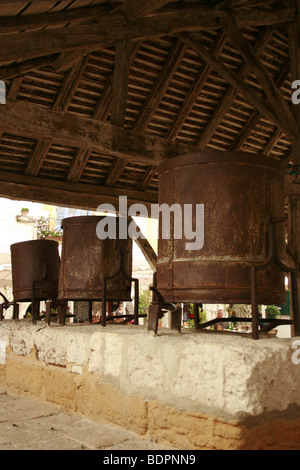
(195, 90)
(120, 83)
(160, 86)
(280, 107)
(234, 79)
(113, 28)
(66, 128)
(226, 103)
(68, 194)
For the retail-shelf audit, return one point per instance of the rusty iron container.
(35, 261)
(86, 260)
(239, 191)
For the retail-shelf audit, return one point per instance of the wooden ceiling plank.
(161, 84)
(110, 29)
(280, 107)
(195, 90)
(120, 83)
(69, 129)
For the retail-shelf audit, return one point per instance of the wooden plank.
(239, 84)
(195, 90)
(78, 165)
(224, 106)
(37, 158)
(120, 83)
(103, 107)
(280, 107)
(67, 194)
(158, 90)
(137, 8)
(147, 178)
(65, 128)
(113, 28)
(115, 172)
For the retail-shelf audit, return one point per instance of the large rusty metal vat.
(240, 192)
(35, 265)
(86, 260)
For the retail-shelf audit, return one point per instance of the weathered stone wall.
(191, 390)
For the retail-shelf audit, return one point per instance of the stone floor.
(26, 424)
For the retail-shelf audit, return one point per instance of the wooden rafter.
(115, 172)
(279, 106)
(256, 116)
(113, 28)
(103, 106)
(140, 8)
(195, 90)
(224, 105)
(120, 83)
(144, 183)
(237, 82)
(160, 86)
(78, 165)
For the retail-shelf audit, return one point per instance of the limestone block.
(146, 368)
(113, 355)
(24, 374)
(51, 344)
(97, 344)
(61, 387)
(78, 348)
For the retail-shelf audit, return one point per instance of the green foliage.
(145, 298)
(272, 311)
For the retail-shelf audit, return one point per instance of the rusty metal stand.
(274, 258)
(121, 272)
(159, 307)
(5, 305)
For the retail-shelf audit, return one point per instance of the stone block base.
(153, 385)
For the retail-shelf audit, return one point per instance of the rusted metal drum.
(86, 260)
(35, 261)
(239, 192)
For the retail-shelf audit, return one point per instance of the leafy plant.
(145, 298)
(272, 311)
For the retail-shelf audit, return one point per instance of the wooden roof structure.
(98, 93)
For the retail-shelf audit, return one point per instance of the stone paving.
(26, 424)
